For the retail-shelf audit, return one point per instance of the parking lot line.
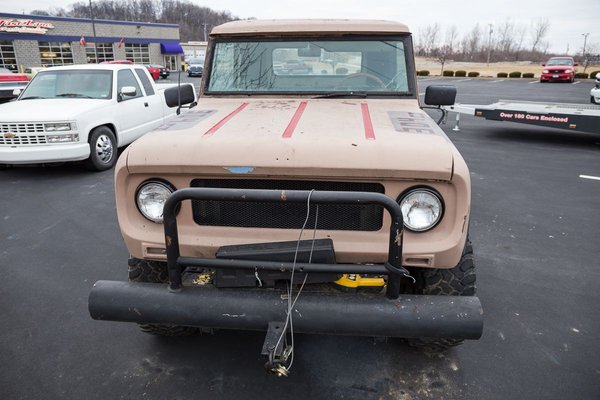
(499, 80)
(576, 82)
(596, 178)
(464, 80)
(529, 83)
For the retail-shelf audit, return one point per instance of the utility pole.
(205, 34)
(489, 44)
(94, 31)
(585, 35)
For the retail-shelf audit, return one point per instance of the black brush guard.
(363, 314)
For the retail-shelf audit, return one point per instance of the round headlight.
(545, 71)
(421, 208)
(151, 197)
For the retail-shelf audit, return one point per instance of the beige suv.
(325, 200)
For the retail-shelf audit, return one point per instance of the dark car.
(195, 70)
(164, 71)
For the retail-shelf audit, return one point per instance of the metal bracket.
(276, 349)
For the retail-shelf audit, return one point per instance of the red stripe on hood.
(222, 122)
(294, 121)
(369, 132)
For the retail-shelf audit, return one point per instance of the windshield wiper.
(360, 95)
(32, 97)
(74, 95)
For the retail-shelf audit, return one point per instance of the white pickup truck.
(82, 112)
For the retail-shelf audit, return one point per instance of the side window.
(126, 78)
(145, 81)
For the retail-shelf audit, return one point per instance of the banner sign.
(12, 25)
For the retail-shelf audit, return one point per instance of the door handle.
(145, 104)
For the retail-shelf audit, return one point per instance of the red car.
(154, 71)
(560, 69)
(10, 81)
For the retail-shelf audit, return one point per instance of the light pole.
(489, 44)
(585, 35)
(94, 31)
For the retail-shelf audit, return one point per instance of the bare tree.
(539, 29)
(451, 38)
(429, 38)
(442, 56)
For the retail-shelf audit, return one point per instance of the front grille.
(287, 215)
(21, 128)
(21, 140)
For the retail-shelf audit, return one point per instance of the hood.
(342, 138)
(40, 110)
(559, 67)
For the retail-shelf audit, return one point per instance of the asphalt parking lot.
(535, 227)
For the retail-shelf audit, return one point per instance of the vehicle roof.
(562, 57)
(111, 67)
(295, 26)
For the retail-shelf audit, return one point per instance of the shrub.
(581, 75)
(473, 74)
(423, 73)
(515, 74)
(448, 73)
(528, 75)
(460, 73)
(502, 75)
(594, 74)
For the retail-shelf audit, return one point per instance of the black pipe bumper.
(358, 314)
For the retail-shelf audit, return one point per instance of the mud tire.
(457, 281)
(155, 272)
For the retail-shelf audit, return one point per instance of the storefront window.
(105, 52)
(55, 53)
(138, 53)
(7, 55)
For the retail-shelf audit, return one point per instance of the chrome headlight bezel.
(432, 194)
(59, 126)
(161, 188)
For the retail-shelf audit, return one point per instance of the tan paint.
(328, 143)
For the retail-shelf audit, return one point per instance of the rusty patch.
(283, 195)
(168, 240)
(398, 238)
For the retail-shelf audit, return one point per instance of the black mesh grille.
(287, 215)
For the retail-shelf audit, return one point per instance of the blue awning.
(171, 48)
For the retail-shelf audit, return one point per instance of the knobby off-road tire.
(457, 281)
(155, 272)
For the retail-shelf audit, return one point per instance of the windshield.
(310, 66)
(89, 84)
(560, 61)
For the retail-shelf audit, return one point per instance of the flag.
(121, 42)
(82, 41)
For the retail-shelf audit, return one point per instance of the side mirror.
(440, 95)
(543, 65)
(128, 91)
(576, 64)
(185, 92)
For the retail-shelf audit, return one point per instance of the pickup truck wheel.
(103, 149)
(155, 272)
(457, 281)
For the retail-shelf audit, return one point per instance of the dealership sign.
(24, 26)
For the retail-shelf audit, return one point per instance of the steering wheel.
(366, 77)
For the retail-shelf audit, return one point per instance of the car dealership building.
(43, 41)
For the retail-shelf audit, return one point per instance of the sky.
(569, 19)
